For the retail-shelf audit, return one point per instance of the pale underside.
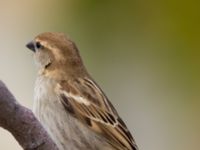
(67, 132)
(66, 129)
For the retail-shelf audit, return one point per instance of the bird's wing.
(86, 101)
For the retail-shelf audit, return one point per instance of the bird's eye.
(38, 45)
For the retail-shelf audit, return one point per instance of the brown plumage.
(71, 106)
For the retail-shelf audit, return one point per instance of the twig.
(22, 124)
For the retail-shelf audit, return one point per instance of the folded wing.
(86, 101)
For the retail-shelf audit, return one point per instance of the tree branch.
(22, 123)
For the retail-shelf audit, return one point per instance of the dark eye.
(38, 45)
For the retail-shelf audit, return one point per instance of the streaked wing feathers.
(85, 100)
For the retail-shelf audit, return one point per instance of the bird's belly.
(67, 132)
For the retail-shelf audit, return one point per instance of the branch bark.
(22, 124)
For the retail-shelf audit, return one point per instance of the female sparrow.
(68, 102)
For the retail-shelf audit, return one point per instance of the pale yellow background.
(144, 54)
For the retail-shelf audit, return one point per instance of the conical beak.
(31, 46)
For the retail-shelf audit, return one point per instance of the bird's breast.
(66, 131)
(50, 112)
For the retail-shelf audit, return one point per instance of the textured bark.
(22, 124)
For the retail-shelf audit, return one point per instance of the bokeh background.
(144, 54)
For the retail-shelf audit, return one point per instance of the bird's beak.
(31, 46)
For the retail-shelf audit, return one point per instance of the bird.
(70, 105)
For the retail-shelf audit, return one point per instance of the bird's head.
(54, 52)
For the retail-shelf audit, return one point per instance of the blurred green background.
(144, 54)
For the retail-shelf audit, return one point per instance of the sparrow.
(69, 103)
